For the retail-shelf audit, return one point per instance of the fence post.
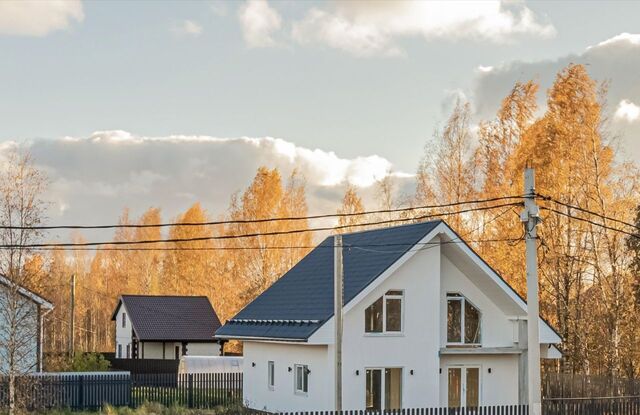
(81, 392)
(190, 390)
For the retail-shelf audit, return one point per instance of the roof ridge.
(402, 225)
(163, 295)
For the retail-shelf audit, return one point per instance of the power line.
(633, 235)
(590, 212)
(256, 234)
(263, 220)
(240, 248)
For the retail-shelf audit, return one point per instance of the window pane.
(393, 388)
(471, 323)
(373, 317)
(455, 387)
(305, 378)
(394, 314)
(374, 384)
(454, 321)
(271, 376)
(299, 378)
(473, 387)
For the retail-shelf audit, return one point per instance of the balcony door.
(384, 389)
(463, 386)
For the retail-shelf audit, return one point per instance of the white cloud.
(371, 28)
(622, 38)
(119, 169)
(484, 69)
(627, 111)
(259, 22)
(187, 27)
(38, 18)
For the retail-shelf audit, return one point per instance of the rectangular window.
(124, 320)
(383, 387)
(128, 351)
(463, 321)
(385, 314)
(301, 379)
(271, 378)
(119, 351)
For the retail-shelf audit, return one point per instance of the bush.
(89, 362)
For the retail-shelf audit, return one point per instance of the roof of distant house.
(296, 305)
(170, 318)
(25, 292)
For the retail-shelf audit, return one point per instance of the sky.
(162, 103)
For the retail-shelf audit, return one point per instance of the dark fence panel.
(76, 391)
(629, 405)
(566, 385)
(144, 365)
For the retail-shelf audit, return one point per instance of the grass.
(151, 408)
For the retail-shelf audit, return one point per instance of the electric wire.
(257, 234)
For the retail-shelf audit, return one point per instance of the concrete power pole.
(530, 216)
(338, 274)
(72, 317)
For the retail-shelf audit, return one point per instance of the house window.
(385, 314)
(463, 321)
(302, 379)
(271, 377)
(128, 351)
(463, 386)
(383, 389)
(119, 351)
(124, 320)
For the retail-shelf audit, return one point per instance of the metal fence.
(159, 366)
(567, 385)
(93, 391)
(624, 405)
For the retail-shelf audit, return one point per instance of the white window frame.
(463, 383)
(384, 331)
(305, 371)
(463, 300)
(271, 375)
(383, 384)
(119, 351)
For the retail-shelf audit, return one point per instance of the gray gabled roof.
(296, 305)
(169, 317)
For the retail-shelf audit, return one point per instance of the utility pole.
(72, 303)
(338, 276)
(530, 216)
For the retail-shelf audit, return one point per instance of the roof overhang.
(41, 301)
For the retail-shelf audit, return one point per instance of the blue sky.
(360, 79)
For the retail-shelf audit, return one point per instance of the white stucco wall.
(25, 339)
(203, 349)
(282, 397)
(123, 334)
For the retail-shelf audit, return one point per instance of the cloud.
(627, 111)
(616, 60)
(93, 178)
(187, 27)
(259, 22)
(38, 18)
(371, 28)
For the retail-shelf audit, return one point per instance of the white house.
(24, 343)
(165, 327)
(426, 323)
